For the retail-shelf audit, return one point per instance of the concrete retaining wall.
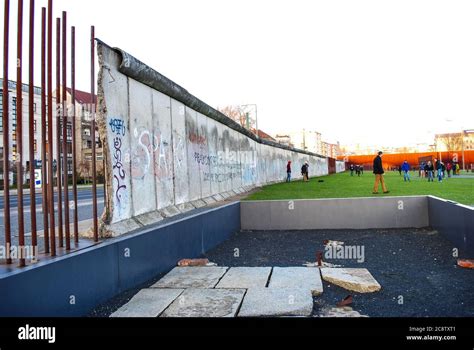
(164, 153)
(74, 284)
(455, 221)
(353, 213)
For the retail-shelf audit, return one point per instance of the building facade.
(83, 133)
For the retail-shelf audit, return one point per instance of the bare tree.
(453, 142)
(240, 115)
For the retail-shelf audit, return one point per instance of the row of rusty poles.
(65, 115)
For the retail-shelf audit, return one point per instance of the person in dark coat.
(378, 172)
(352, 169)
(439, 169)
(288, 171)
(305, 172)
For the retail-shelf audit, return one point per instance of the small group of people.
(439, 169)
(358, 169)
(304, 171)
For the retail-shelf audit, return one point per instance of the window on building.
(87, 132)
(14, 108)
(14, 135)
(35, 145)
(34, 125)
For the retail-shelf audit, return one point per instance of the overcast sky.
(372, 72)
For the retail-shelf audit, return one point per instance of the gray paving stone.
(148, 303)
(206, 303)
(192, 277)
(356, 280)
(297, 277)
(245, 277)
(260, 302)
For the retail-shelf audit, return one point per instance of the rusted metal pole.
(19, 133)
(94, 160)
(6, 132)
(31, 115)
(52, 235)
(58, 132)
(65, 124)
(74, 148)
(44, 164)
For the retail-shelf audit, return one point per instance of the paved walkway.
(239, 292)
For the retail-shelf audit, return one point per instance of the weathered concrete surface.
(170, 211)
(344, 213)
(297, 277)
(180, 160)
(206, 303)
(148, 303)
(198, 203)
(121, 228)
(345, 311)
(142, 148)
(245, 277)
(149, 218)
(277, 302)
(192, 277)
(209, 200)
(163, 160)
(357, 280)
(218, 198)
(185, 207)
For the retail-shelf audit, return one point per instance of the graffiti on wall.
(120, 157)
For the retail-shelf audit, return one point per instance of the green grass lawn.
(344, 186)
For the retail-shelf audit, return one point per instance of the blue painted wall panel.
(94, 275)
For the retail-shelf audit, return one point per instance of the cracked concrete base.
(206, 303)
(185, 207)
(260, 302)
(169, 212)
(245, 277)
(356, 280)
(121, 228)
(149, 218)
(148, 303)
(209, 200)
(297, 277)
(198, 204)
(192, 277)
(218, 198)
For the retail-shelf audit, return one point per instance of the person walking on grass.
(378, 172)
(429, 169)
(406, 171)
(288, 171)
(449, 166)
(352, 169)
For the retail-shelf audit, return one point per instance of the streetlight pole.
(256, 115)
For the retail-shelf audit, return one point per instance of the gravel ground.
(416, 269)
